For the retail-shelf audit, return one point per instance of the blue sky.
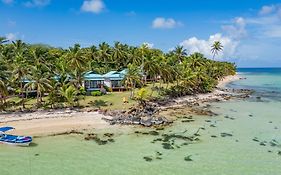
(249, 30)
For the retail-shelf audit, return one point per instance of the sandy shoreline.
(43, 123)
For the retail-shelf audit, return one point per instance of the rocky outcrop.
(147, 116)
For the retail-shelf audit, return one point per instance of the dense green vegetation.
(57, 74)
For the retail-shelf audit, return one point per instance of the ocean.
(244, 138)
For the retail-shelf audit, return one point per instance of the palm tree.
(104, 52)
(77, 62)
(70, 94)
(20, 68)
(3, 92)
(132, 78)
(143, 51)
(38, 81)
(118, 55)
(2, 41)
(180, 53)
(216, 48)
(76, 58)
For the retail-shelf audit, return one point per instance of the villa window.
(93, 84)
(116, 83)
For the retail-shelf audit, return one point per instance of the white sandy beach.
(43, 123)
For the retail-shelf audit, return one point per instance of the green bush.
(82, 91)
(96, 93)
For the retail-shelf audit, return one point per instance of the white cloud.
(237, 29)
(265, 10)
(93, 6)
(37, 3)
(8, 1)
(204, 46)
(11, 36)
(163, 23)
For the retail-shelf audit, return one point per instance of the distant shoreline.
(48, 122)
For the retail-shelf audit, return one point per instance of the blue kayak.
(13, 139)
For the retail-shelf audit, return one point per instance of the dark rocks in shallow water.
(68, 133)
(203, 111)
(158, 140)
(36, 154)
(263, 143)
(167, 145)
(226, 134)
(98, 140)
(250, 115)
(91, 136)
(184, 144)
(160, 128)
(213, 125)
(108, 134)
(214, 136)
(270, 122)
(275, 127)
(208, 121)
(188, 158)
(187, 121)
(273, 143)
(111, 140)
(187, 117)
(256, 139)
(159, 153)
(279, 153)
(148, 159)
(154, 133)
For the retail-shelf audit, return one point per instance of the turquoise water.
(251, 125)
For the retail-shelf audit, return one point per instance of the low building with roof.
(114, 79)
(93, 81)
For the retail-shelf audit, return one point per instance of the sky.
(249, 30)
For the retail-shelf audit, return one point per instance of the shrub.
(82, 91)
(98, 103)
(96, 93)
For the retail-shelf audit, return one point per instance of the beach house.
(93, 81)
(113, 80)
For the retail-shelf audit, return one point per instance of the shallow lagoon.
(237, 141)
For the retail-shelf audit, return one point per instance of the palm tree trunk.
(153, 86)
(37, 96)
(21, 94)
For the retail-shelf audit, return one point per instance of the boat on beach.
(13, 139)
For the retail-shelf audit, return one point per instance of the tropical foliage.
(57, 74)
